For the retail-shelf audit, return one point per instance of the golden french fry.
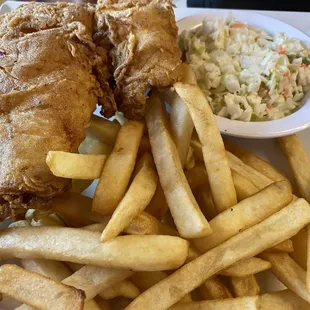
(103, 130)
(59, 243)
(190, 159)
(259, 180)
(48, 268)
(220, 179)
(246, 268)
(124, 288)
(91, 305)
(187, 216)
(103, 303)
(75, 210)
(289, 273)
(253, 161)
(214, 288)
(180, 121)
(38, 291)
(78, 186)
(93, 280)
(158, 205)
(205, 201)
(248, 303)
(93, 146)
(285, 246)
(244, 188)
(285, 300)
(244, 286)
(197, 176)
(275, 229)
(120, 165)
(75, 166)
(146, 279)
(299, 163)
(300, 248)
(245, 214)
(145, 160)
(134, 202)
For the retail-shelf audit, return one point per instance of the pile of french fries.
(180, 219)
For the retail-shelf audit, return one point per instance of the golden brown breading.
(47, 93)
(145, 53)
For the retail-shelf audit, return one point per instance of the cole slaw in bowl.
(299, 119)
(246, 73)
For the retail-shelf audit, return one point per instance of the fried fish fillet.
(48, 91)
(145, 52)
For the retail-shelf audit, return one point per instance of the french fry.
(187, 216)
(48, 268)
(246, 268)
(91, 305)
(38, 291)
(289, 273)
(190, 159)
(103, 303)
(124, 288)
(285, 246)
(134, 202)
(78, 186)
(253, 161)
(285, 300)
(244, 188)
(145, 160)
(158, 205)
(120, 164)
(180, 121)
(299, 163)
(214, 288)
(245, 214)
(75, 166)
(59, 243)
(103, 130)
(220, 179)
(146, 279)
(93, 280)
(75, 210)
(282, 300)
(94, 146)
(205, 201)
(244, 286)
(300, 248)
(275, 229)
(197, 176)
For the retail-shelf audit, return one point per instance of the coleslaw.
(245, 73)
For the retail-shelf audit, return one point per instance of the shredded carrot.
(237, 25)
(286, 74)
(281, 50)
(303, 65)
(269, 107)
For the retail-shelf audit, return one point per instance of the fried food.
(47, 96)
(39, 291)
(214, 155)
(187, 216)
(145, 53)
(275, 229)
(59, 243)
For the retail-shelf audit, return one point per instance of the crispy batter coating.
(145, 52)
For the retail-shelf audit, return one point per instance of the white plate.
(293, 123)
(267, 149)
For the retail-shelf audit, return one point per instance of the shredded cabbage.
(245, 73)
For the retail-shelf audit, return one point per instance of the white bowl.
(293, 123)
